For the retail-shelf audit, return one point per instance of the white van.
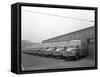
(76, 49)
(49, 51)
(59, 52)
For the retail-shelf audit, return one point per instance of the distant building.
(84, 34)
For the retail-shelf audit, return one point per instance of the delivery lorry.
(76, 49)
(58, 53)
(49, 51)
(60, 48)
(34, 49)
(42, 50)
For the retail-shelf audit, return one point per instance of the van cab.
(59, 52)
(76, 49)
(49, 51)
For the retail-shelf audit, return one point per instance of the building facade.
(87, 34)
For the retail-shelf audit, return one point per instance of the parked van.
(62, 46)
(49, 51)
(59, 52)
(76, 49)
(42, 50)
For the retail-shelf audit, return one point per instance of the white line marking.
(22, 67)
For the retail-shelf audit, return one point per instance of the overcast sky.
(43, 23)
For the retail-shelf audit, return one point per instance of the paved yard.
(31, 62)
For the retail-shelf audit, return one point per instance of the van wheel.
(68, 58)
(46, 55)
(85, 55)
(76, 57)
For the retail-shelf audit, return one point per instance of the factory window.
(87, 33)
(77, 35)
(92, 32)
(91, 41)
(83, 33)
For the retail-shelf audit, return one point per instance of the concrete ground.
(31, 62)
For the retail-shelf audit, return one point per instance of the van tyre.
(68, 58)
(76, 57)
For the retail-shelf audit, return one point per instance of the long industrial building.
(84, 34)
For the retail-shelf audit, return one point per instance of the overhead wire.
(60, 16)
